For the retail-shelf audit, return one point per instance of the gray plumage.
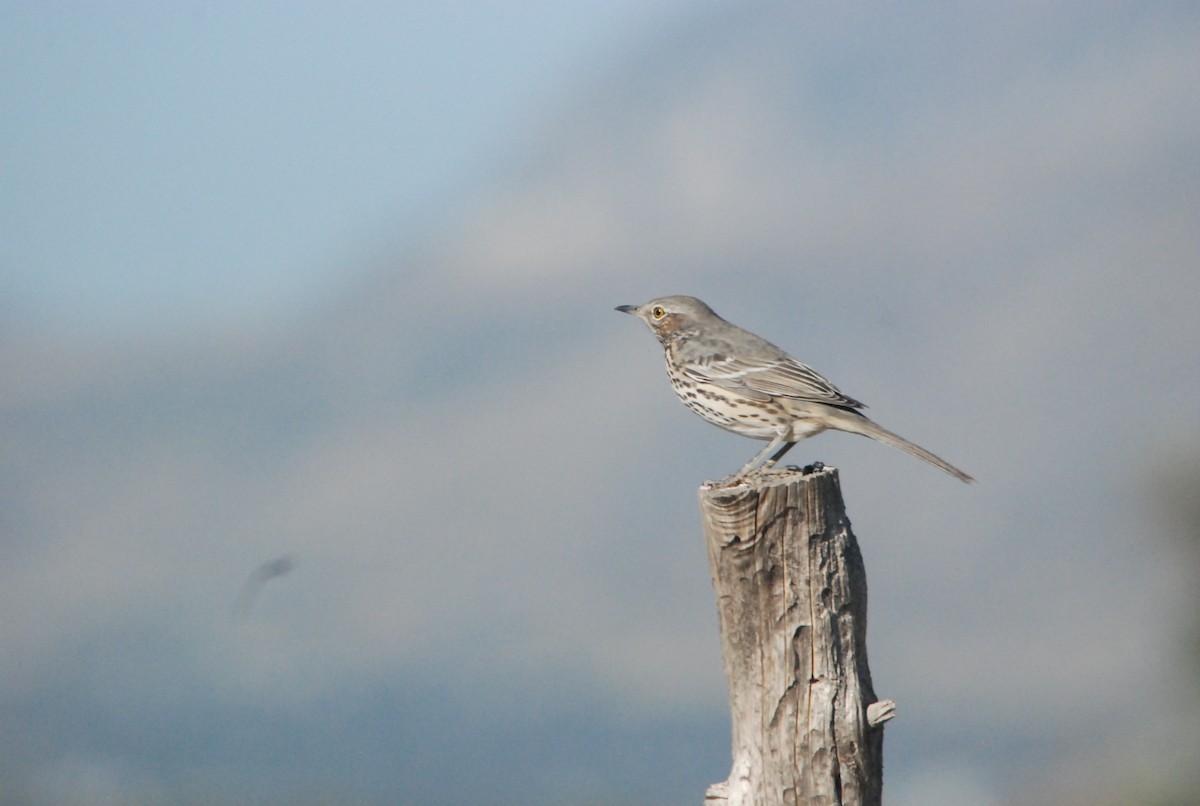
(746, 385)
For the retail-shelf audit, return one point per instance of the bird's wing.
(784, 377)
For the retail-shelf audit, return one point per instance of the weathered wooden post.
(792, 603)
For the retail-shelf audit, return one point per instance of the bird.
(745, 384)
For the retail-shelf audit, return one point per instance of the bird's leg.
(780, 439)
(775, 457)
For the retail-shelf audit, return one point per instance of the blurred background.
(328, 473)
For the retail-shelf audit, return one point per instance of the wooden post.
(792, 603)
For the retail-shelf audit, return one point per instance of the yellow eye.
(659, 312)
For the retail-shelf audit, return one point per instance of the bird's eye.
(659, 312)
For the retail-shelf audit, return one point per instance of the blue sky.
(181, 163)
(338, 287)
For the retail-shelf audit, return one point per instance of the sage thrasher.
(747, 385)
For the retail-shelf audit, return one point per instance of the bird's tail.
(857, 423)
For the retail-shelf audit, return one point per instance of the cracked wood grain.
(792, 606)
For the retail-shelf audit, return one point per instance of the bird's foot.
(807, 470)
(730, 481)
(766, 469)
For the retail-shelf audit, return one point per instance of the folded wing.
(761, 381)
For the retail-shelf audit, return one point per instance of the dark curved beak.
(626, 308)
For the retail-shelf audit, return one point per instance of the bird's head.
(669, 317)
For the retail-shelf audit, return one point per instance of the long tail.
(856, 423)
